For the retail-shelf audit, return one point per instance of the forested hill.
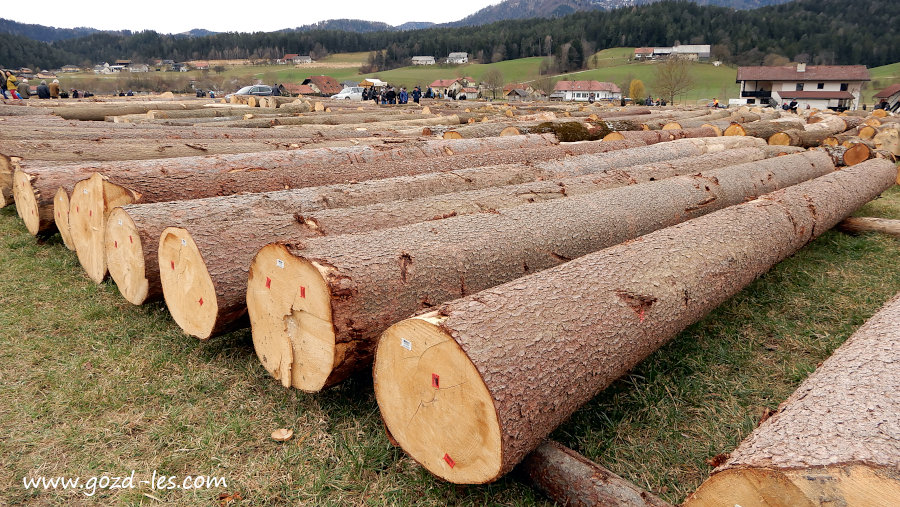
(827, 31)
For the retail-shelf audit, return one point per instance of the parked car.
(350, 93)
(252, 90)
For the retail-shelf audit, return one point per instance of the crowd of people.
(390, 95)
(11, 87)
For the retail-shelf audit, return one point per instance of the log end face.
(435, 404)
(735, 129)
(125, 257)
(715, 128)
(26, 202)
(674, 125)
(780, 139)
(87, 226)
(748, 488)
(613, 136)
(289, 304)
(61, 215)
(187, 286)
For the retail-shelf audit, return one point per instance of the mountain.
(359, 26)
(414, 25)
(44, 33)
(196, 32)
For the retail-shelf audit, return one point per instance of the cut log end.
(735, 129)
(187, 286)
(714, 127)
(289, 303)
(780, 139)
(867, 132)
(451, 134)
(61, 216)
(856, 153)
(510, 131)
(613, 136)
(26, 202)
(435, 402)
(672, 126)
(125, 257)
(92, 200)
(844, 485)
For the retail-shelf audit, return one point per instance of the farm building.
(323, 85)
(423, 60)
(70, 68)
(458, 58)
(891, 94)
(445, 86)
(689, 51)
(584, 91)
(821, 87)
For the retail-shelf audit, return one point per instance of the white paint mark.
(183, 242)
(120, 222)
(279, 263)
(406, 344)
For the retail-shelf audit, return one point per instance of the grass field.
(91, 385)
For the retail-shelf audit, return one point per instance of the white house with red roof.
(891, 94)
(821, 87)
(584, 91)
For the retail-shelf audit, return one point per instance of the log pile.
(526, 256)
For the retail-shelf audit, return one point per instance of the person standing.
(43, 91)
(3, 84)
(793, 106)
(11, 83)
(404, 96)
(54, 89)
(416, 94)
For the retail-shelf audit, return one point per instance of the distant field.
(611, 65)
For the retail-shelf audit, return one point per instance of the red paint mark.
(641, 315)
(173, 265)
(268, 283)
(303, 292)
(76, 209)
(116, 244)
(90, 212)
(449, 460)
(130, 240)
(201, 301)
(435, 381)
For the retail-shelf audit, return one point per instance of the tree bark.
(421, 265)
(99, 111)
(763, 129)
(118, 149)
(195, 177)
(570, 479)
(299, 121)
(469, 389)
(888, 139)
(205, 264)
(858, 225)
(830, 124)
(132, 246)
(656, 136)
(835, 440)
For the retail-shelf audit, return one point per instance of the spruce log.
(858, 225)
(803, 138)
(118, 149)
(355, 286)
(193, 250)
(888, 139)
(469, 389)
(99, 111)
(848, 155)
(132, 245)
(572, 480)
(834, 441)
(830, 124)
(389, 123)
(763, 129)
(206, 112)
(657, 136)
(145, 131)
(197, 177)
(15, 110)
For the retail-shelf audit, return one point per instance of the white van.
(350, 93)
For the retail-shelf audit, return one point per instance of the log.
(803, 138)
(145, 131)
(193, 249)
(848, 155)
(656, 136)
(481, 381)
(118, 149)
(207, 112)
(763, 129)
(830, 124)
(572, 480)
(133, 231)
(99, 111)
(14, 110)
(858, 225)
(888, 139)
(196, 177)
(834, 441)
(350, 279)
(390, 123)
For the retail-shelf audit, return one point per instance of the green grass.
(91, 385)
(882, 77)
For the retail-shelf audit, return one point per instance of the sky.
(169, 16)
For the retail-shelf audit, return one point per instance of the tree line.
(815, 31)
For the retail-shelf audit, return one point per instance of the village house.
(689, 51)
(891, 94)
(372, 82)
(139, 67)
(467, 93)
(200, 65)
(45, 75)
(323, 85)
(583, 91)
(515, 94)
(821, 87)
(443, 87)
(123, 63)
(423, 60)
(457, 58)
(70, 68)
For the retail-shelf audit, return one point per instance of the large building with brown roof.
(583, 91)
(323, 85)
(821, 87)
(891, 94)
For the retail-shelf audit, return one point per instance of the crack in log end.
(638, 302)
(811, 206)
(702, 204)
(462, 286)
(405, 262)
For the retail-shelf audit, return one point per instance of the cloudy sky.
(169, 16)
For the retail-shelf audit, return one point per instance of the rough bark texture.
(843, 418)
(571, 479)
(542, 352)
(34, 190)
(831, 124)
(118, 149)
(104, 130)
(857, 225)
(454, 173)
(99, 111)
(300, 122)
(421, 265)
(658, 136)
(252, 228)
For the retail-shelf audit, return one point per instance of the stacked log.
(143, 149)
(196, 177)
(349, 279)
(192, 249)
(764, 128)
(469, 389)
(834, 438)
(99, 111)
(656, 136)
(858, 225)
(133, 231)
